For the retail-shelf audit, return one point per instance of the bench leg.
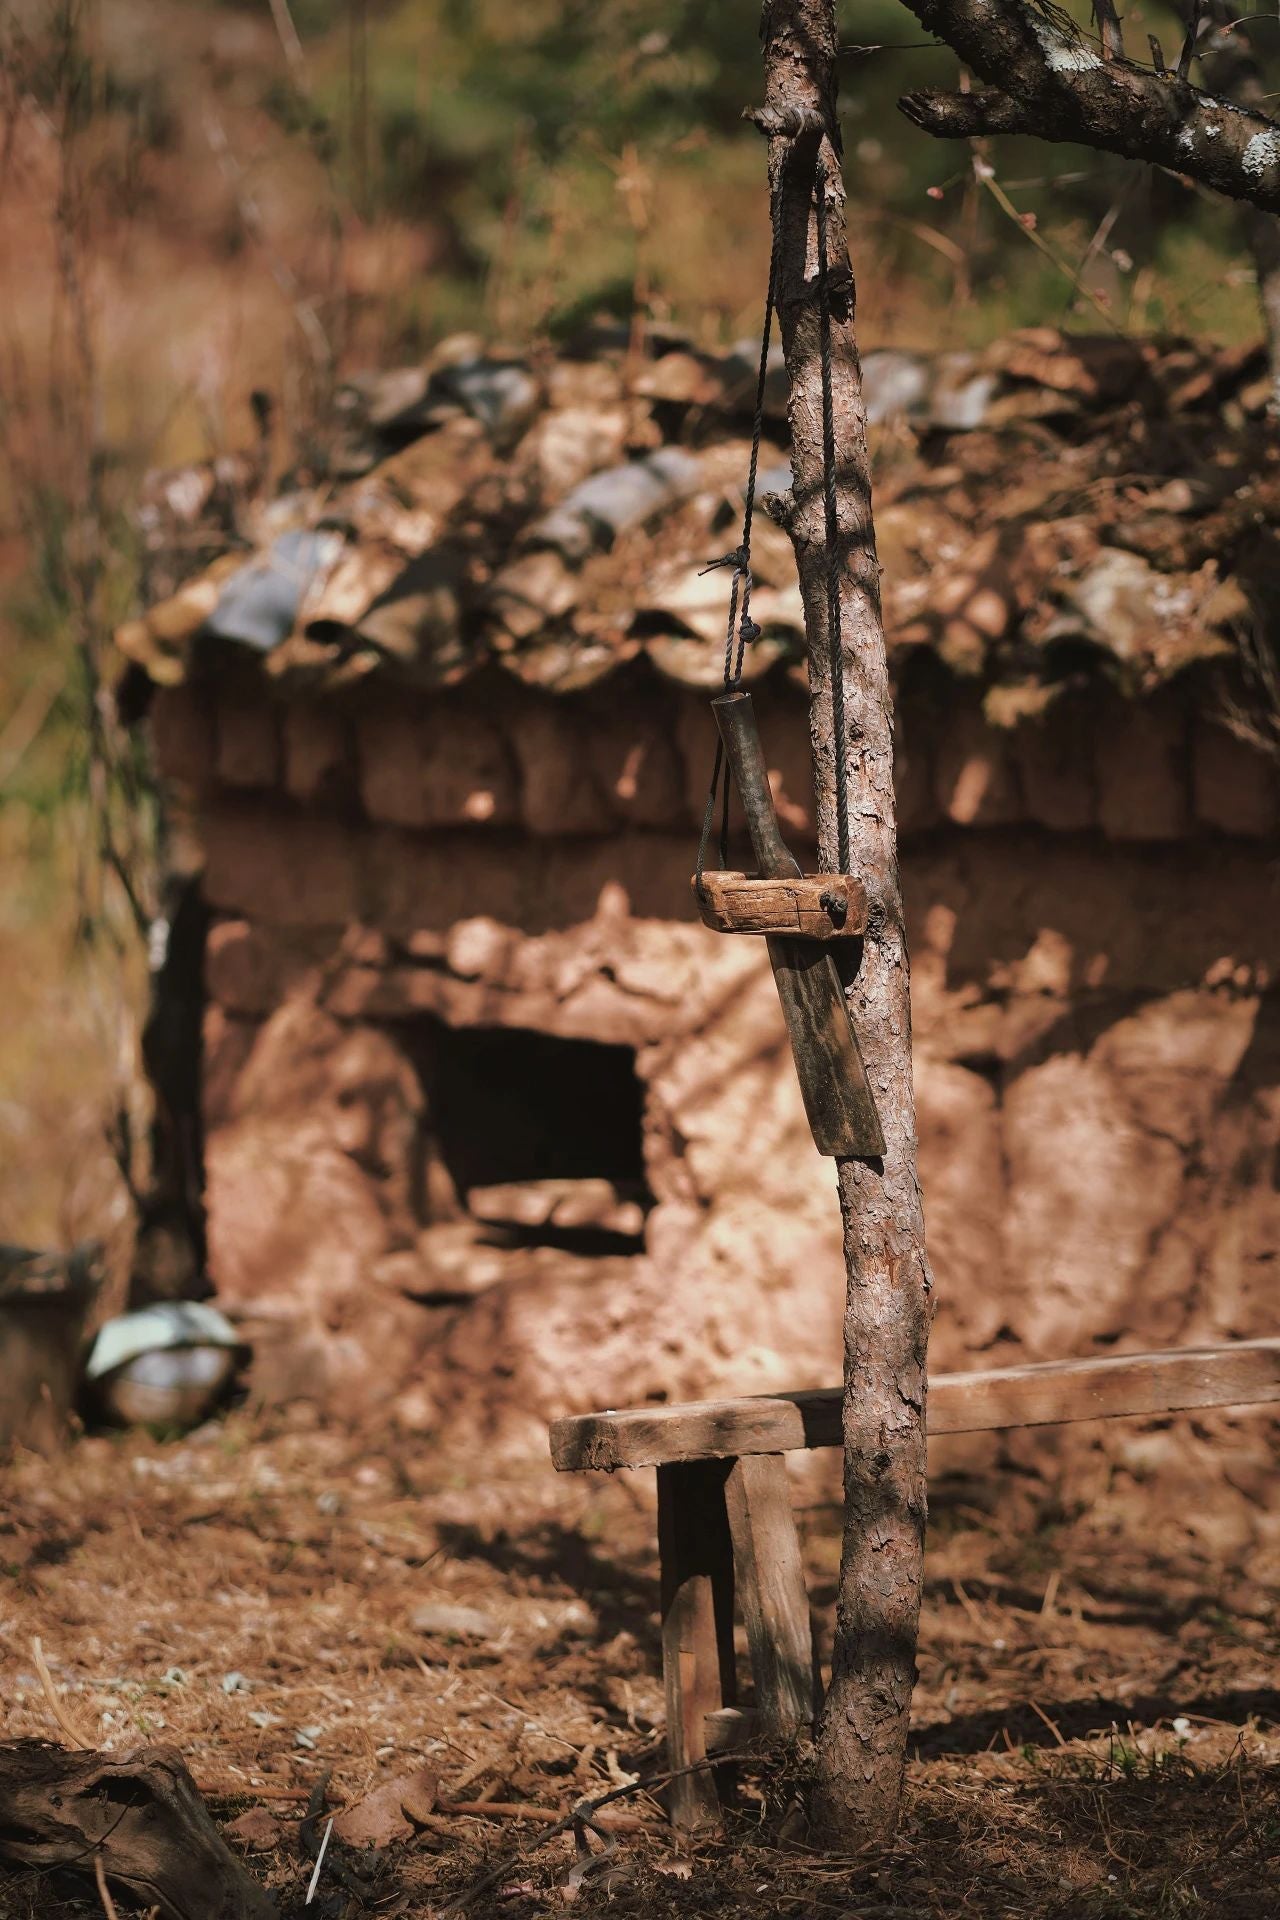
(771, 1586)
(697, 1625)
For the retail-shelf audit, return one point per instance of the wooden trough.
(726, 1531)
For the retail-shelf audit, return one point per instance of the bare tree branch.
(1044, 77)
(962, 116)
(1104, 12)
(1192, 34)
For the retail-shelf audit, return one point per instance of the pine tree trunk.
(862, 1734)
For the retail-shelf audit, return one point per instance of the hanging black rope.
(740, 624)
(840, 741)
(747, 628)
(741, 629)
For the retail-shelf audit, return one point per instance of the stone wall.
(1094, 909)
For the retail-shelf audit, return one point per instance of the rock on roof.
(1052, 507)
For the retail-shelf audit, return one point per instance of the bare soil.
(1097, 1723)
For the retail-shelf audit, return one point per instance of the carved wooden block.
(819, 906)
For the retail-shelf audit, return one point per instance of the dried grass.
(1097, 1717)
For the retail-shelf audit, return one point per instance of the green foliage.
(576, 155)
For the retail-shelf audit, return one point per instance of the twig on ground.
(519, 1810)
(324, 1848)
(469, 1775)
(971, 1607)
(104, 1892)
(527, 1714)
(1052, 1725)
(490, 1809)
(353, 1874)
(579, 1817)
(70, 1731)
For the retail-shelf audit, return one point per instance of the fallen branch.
(136, 1816)
(1044, 77)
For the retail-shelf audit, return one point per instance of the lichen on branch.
(1044, 77)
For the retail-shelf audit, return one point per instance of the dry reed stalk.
(70, 1732)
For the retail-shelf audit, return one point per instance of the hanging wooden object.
(816, 906)
(838, 1101)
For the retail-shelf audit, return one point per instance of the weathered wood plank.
(1246, 1373)
(769, 1575)
(838, 1101)
(696, 1557)
(820, 906)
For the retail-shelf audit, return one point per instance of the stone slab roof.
(1052, 510)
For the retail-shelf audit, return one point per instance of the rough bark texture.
(1044, 78)
(862, 1734)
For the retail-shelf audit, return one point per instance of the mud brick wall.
(1094, 910)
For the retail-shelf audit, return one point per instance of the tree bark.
(1049, 81)
(1043, 77)
(862, 1733)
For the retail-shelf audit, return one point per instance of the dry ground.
(1098, 1720)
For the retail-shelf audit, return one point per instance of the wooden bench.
(726, 1530)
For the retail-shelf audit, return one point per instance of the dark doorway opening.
(541, 1138)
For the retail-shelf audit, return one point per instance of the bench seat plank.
(1246, 1373)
